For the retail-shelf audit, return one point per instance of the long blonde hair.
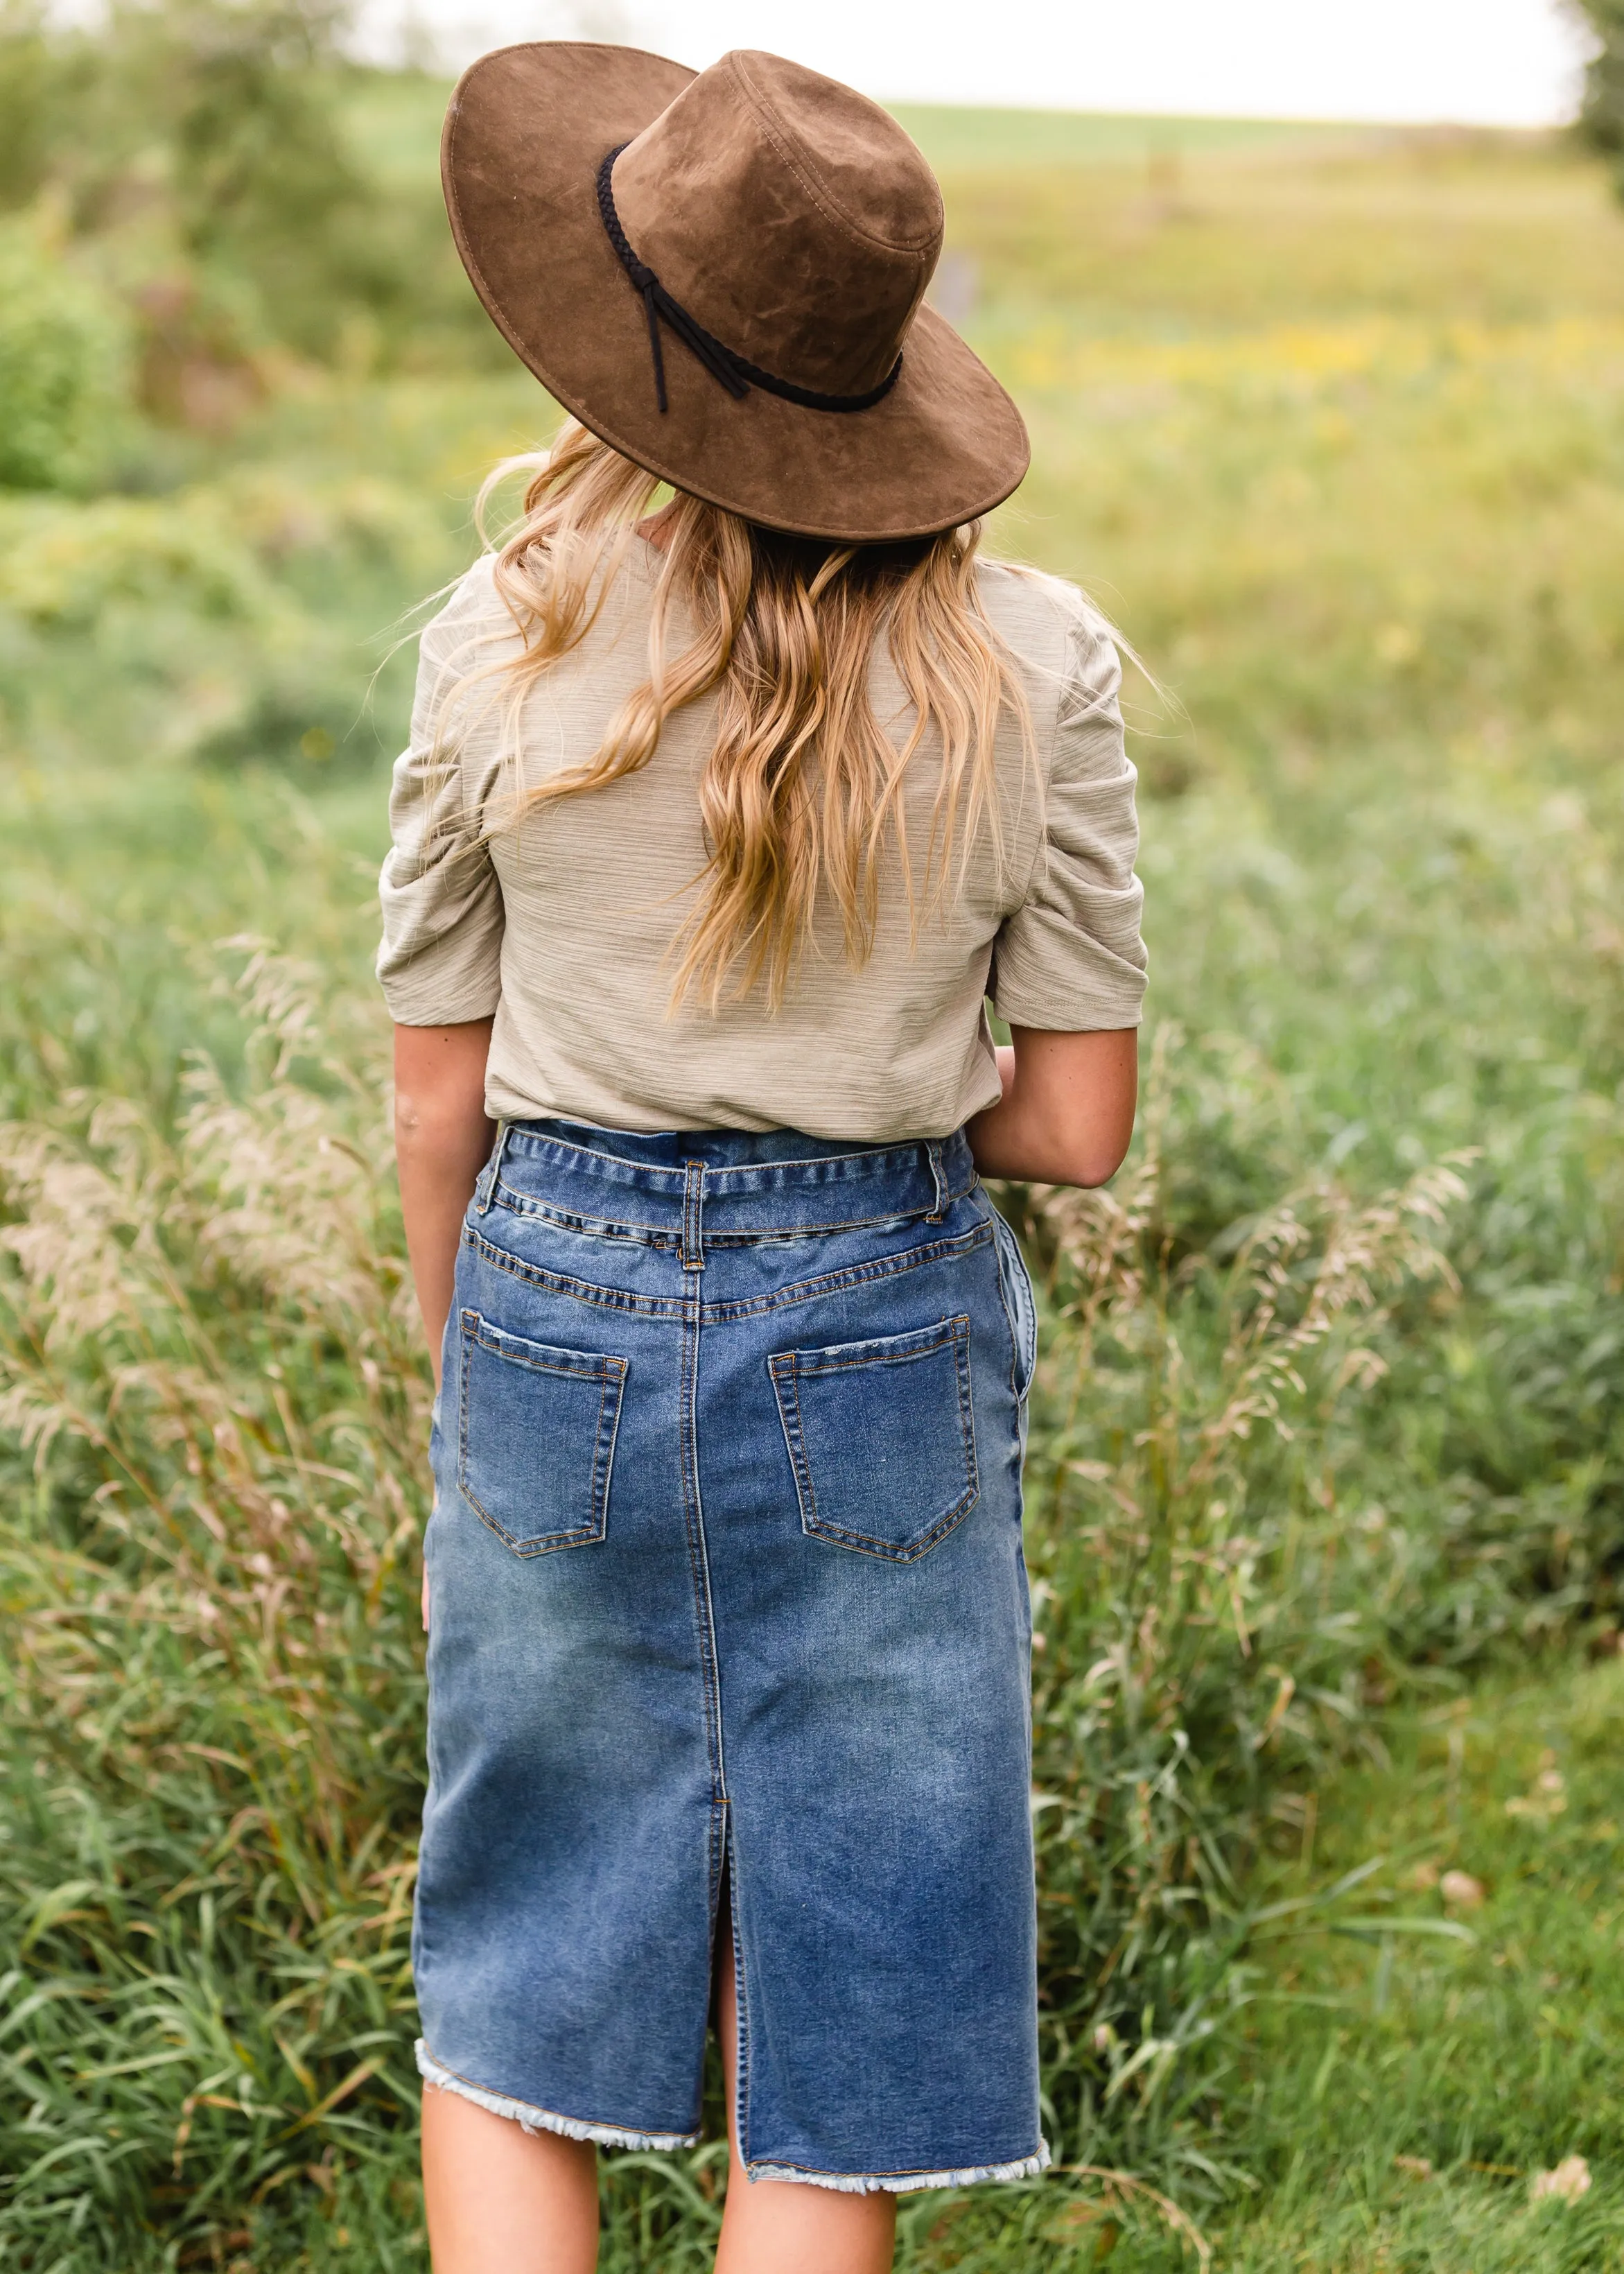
(802, 793)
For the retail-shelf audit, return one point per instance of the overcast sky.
(1508, 62)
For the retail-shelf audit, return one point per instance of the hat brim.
(525, 133)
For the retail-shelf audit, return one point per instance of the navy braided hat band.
(730, 371)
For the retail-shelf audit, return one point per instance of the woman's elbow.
(1075, 1096)
(1094, 1164)
(436, 1125)
(440, 1088)
(424, 1111)
(1089, 1153)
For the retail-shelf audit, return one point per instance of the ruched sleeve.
(440, 963)
(1070, 958)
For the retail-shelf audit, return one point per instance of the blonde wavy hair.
(802, 793)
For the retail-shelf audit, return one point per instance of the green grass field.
(1327, 1483)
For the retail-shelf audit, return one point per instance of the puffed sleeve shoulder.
(1070, 958)
(440, 963)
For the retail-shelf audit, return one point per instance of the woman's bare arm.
(442, 1139)
(1067, 1114)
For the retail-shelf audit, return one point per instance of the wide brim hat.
(747, 247)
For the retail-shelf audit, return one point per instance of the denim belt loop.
(485, 1188)
(692, 1217)
(934, 1147)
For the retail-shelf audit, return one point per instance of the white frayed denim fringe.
(613, 2135)
(543, 2120)
(903, 2183)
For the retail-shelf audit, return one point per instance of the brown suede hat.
(721, 273)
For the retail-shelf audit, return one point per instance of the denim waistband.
(743, 1185)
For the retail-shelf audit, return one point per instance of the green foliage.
(286, 1851)
(1602, 113)
(201, 614)
(38, 76)
(207, 148)
(1196, 1633)
(1402, 2088)
(262, 184)
(257, 149)
(64, 352)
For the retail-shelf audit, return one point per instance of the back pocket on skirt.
(536, 1437)
(881, 1438)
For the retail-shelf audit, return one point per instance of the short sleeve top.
(559, 926)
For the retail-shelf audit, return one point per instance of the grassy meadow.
(1326, 1475)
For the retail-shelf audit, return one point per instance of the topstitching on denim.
(855, 1275)
(1009, 1318)
(694, 1517)
(741, 2001)
(788, 1368)
(692, 1217)
(489, 1176)
(674, 1307)
(944, 1170)
(579, 1290)
(625, 1229)
(1020, 1313)
(700, 1561)
(602, 1366)
(634, 1233)
(855, 1160)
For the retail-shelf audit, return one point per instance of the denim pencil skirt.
(727, 1594)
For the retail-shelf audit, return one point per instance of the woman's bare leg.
(780, 2226)
(501, 2200)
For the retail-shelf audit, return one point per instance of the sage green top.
(561, 926)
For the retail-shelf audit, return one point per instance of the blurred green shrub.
(1601, 115)
(67, 568)
(63, 368)
(211, 149)
(38, 72)
(230, 620)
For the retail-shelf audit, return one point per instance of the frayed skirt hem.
(903, 2183)
(531, 2118)
(543, 2120)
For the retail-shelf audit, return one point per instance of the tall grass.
(1198, 1643)
(214, 1693)
(210, 1359)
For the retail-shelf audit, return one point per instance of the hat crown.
(788, 213)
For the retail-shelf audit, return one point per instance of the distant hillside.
(397, 119)
(957, 141)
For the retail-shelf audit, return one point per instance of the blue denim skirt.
(727, 1592)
